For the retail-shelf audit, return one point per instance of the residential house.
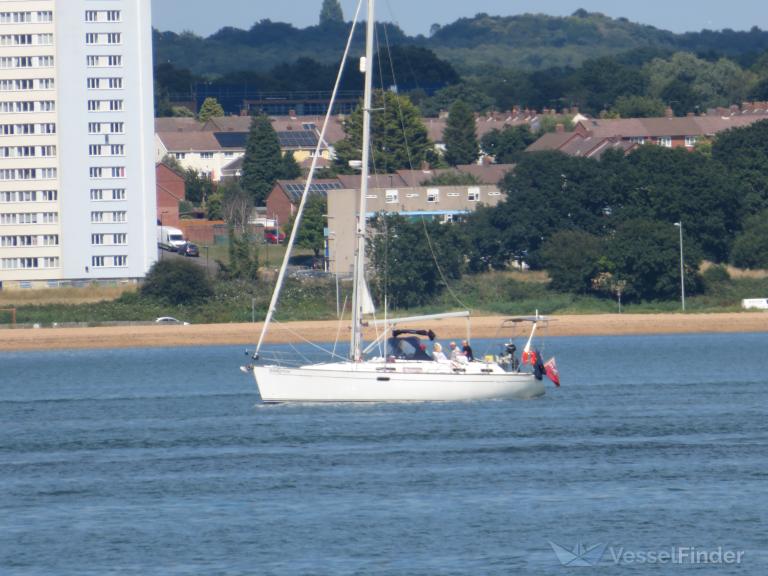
(170, 191)
(283, 200)
(213, 147)
(405, 193)
(579, 143)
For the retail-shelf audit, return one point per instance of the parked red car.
(273, 236)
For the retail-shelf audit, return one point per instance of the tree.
(603, 80)
(416, 67)
(243, 258)
(263, 160)
(291, 169)
(744, 153)
(459, 136)
(236, 205)
(197, 188)
(210, 109)
(403, 264)
(399, 138)
(571, 257)
(313, 223)
(750, 249)
(507, 145)
(639, 107)
(177, 281)
(331, 13)
(472, 93)
(668, 185)
(646, 255)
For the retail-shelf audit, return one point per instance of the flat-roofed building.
(77, 177)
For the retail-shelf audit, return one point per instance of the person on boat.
(437, 353)
(467, 350)
(421, 353)
(457, 354)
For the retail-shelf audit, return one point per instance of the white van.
(755, 303)
(169, 238)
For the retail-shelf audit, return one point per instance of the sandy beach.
(324, 331)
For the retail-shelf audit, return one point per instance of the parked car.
(273, 236)
(189, 249)
(170, 320)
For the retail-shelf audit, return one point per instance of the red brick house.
(170, 191)
(283, 201)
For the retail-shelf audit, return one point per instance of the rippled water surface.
(163, 461)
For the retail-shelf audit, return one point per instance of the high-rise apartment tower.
(77, 180)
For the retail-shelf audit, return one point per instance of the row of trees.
(600, 227)
(636, 84)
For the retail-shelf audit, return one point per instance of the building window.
(97, 239)
(665, 141)
(97, 194)
(97, 216)
(206, 155)
(118, 194)
(433, 195)
(690, 141)
(391, 196)
(97, 261)
(121, 261)
(473, 194)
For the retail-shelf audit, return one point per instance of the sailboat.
(394, 366)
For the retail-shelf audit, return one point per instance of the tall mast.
(359, 267)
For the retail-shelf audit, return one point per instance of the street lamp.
(682, 269)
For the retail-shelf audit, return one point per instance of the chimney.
(669, 113)
(560, 128)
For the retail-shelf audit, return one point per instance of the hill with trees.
(526, 42)
(600, 64)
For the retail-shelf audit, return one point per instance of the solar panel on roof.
(231, 139)
(297, 139)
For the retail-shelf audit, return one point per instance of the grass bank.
(504, 293)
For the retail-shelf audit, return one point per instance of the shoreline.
(154, 336)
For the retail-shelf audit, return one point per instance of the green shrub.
(177, 281)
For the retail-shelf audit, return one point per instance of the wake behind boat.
(395, 366)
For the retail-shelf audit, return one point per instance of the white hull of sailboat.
(375, 382)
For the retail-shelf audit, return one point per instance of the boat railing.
(295, 358)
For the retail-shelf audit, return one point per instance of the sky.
(416, 16)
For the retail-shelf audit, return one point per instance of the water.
(162, 461)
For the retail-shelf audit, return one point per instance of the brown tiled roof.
(189, 141)
(483, 124)
(551, 141)
(657, 127)
(177, 125)
(579, 144)
(228, 124)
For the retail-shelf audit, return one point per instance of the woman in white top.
(437, 353)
